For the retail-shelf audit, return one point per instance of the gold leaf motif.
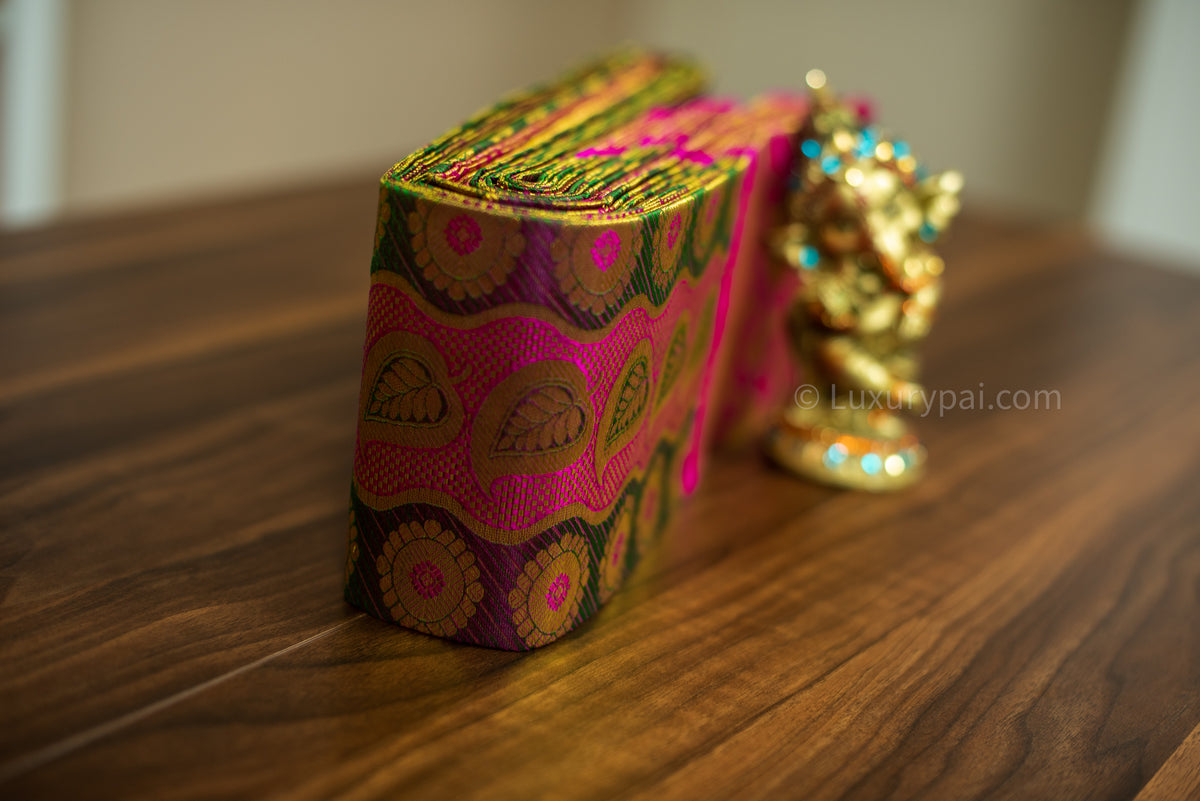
(625, 409)
(673, 364)
(536, 421)
(632, 401)
(407, 398)
(405, 393)
(548, 418)
(704, 334)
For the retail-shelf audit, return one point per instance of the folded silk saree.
(569, 302)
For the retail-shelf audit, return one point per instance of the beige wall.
(168, 98)
(1148, 193)
(1013, 92)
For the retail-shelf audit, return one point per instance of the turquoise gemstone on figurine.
(834, 456)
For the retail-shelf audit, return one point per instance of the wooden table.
(177, 402)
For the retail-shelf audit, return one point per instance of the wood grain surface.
(177, 396)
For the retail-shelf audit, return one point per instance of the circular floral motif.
(612, 568)
(605, 249)
(463, 235)
(385, 216)
(429, 579)
(549, 590)
(593, 265)
(463, 253)
(669, 242)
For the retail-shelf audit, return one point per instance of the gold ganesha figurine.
(861, 217)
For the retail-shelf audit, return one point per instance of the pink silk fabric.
(539, 390)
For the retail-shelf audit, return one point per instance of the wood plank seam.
(50, 753)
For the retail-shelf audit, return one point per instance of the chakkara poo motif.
(556, 286)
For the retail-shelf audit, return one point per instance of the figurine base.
(847, 448)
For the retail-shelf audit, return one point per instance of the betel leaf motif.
(548, 418)
(673, 363)
(407, 400)
(405, 393)
(704, 333)
(631, 401)
(626, 407)
(536, 421)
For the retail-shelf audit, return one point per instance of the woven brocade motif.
(551, 284)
